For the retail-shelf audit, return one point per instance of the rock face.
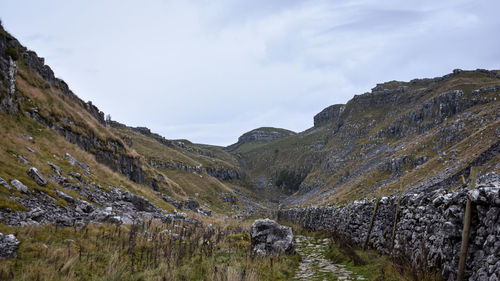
(8, 71)
(268, 237)
(222, 173)
(37, 176)
(261, 134)
(429, 228)
(329, 114)
(8, 246)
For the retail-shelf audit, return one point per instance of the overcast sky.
(211, 70)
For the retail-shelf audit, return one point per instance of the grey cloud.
(211, 70)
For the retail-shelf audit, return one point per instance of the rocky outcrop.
(8, 70)
(147, 132)
(19, 186)
(268, 237)
(429, 230)
(222, 173)
(172, 201)
(37, 176)
(95, 112)
(193, 205)
(5, 184)
(261, 134)
(112, 205)
(330, 114)
(8, 246)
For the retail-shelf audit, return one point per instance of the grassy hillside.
(59, 123)
(402, 133)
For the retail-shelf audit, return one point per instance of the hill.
(420, 134)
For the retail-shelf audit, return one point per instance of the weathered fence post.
(466, 230)
(371, 224)
(396, 217)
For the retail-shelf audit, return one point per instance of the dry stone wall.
(429, 230)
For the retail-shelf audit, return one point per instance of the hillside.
(46, 126)
(420, 134)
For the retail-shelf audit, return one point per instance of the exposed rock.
(191, 204)
(224, 174)
(27, 137)
(268, 237)
(65, 196)
(75, 162)
(228, 197)
(37, 176)
(8, 97)
(172, 201)
(19, 186)
(5, 184)
(204, 211)
(139, 202)
(330, 114)
(55, 168)
(95, 112)
(76, 176)
(8, 246)
(22, 159)
(261, 134)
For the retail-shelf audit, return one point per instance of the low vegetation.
(149, 251)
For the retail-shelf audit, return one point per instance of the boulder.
(66, 197)
(56, 168)
(192, 204)
(37, 176)
(205, 212)
(5, 184)
(19, 186)
(175, 203)
(8, 246)
(269, 237)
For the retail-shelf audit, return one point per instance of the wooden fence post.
(396, 217)
(466, 230)
(371, 224)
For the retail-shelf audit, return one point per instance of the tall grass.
(149, 251)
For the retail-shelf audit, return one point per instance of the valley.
(90, 198)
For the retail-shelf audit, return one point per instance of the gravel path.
(314, 265)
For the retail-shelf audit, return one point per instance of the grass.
(140, 252)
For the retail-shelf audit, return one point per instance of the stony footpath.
(314, 265)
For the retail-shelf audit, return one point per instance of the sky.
(210, 70)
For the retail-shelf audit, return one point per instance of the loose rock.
(20, 186)
(37, 176)
(268, 237)
(5, 184)
(8, 246)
